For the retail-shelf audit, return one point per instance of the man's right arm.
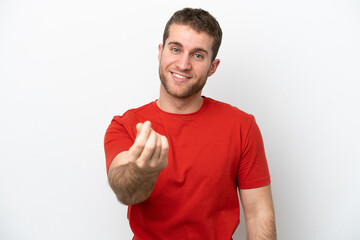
(132, 174)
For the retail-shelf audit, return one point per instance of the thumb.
(138, 128)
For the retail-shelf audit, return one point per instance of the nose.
(183, 62)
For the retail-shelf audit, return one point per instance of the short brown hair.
(201, 21)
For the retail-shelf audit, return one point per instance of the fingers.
(164, 147)
(164, 151)
(158, 144)
(150, 149)
(158, 159)
(143, 133)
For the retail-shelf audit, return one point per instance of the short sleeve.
(117, 139)
(253, 171)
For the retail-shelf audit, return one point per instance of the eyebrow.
(193, 50)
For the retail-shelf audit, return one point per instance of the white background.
(66, 67)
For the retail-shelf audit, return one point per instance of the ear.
(160, 52)
(213, 67)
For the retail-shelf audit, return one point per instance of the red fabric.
(212, 152)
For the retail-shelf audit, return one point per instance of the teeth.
(179, 76)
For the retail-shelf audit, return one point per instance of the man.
(178, 161)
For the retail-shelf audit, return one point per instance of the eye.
(175, 50)
(198, 56)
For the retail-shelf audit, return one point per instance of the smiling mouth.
(178, 76)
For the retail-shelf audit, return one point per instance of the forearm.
(259, 213)
(261, 227)
(131, 184)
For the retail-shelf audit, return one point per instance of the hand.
(149, 151)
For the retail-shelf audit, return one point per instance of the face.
(185, 61)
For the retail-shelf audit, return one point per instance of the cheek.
(165, 61)
(203, 69)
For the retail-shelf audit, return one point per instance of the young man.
(178, 161)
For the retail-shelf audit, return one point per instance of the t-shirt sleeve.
(117, 139)
(253, 169)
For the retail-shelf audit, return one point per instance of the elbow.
(128, 200)
(123, 200)
(267, 215)
(262, 226)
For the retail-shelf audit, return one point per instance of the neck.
(176, 105)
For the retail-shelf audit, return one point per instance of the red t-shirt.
(212, 152)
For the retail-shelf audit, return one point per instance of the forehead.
(189, 37)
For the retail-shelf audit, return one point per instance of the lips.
(179, 77)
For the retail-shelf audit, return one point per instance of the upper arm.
(256, 201)
(253, 171)
(118, 139)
